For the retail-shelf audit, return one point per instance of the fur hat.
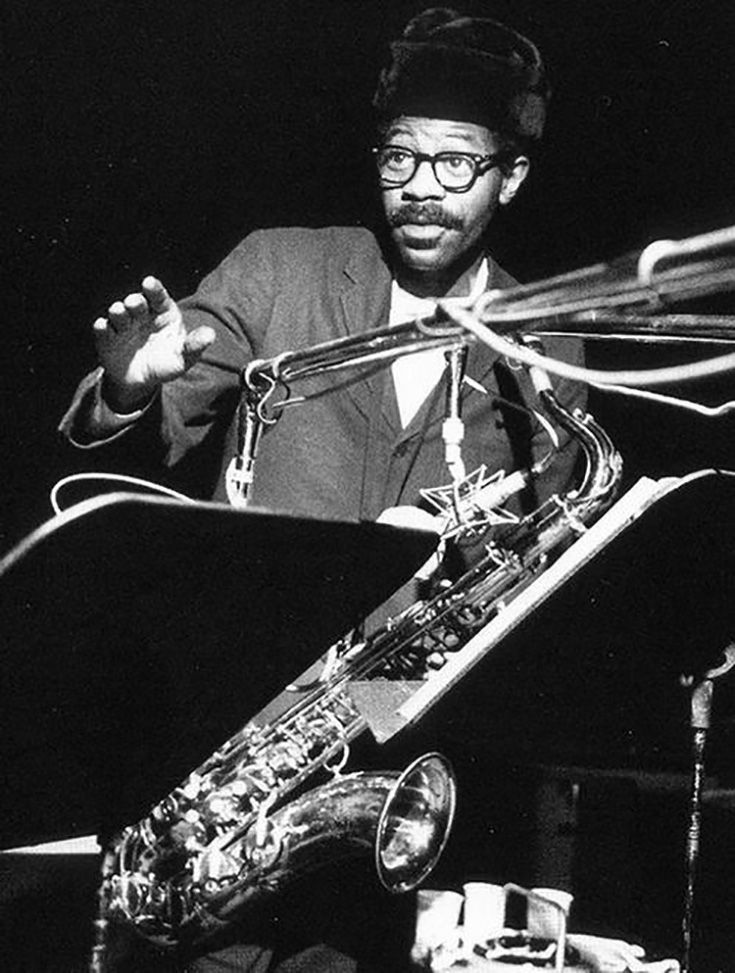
(465, 69)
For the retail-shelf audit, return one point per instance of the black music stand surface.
(593, 676)
(139, 633)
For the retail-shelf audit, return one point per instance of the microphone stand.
(700, 719)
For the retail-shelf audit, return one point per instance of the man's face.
(432, 227)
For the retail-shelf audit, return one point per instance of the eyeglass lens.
(453, 170)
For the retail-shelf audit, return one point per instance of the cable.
(711, 411)
(115, 478)
(654, 376)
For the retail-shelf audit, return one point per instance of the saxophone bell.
(415, 822)
(403, 819)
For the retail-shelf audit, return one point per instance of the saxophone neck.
(603, 463)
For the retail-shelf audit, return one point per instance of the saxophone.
(247, 821)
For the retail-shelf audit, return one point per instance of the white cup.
(484, 912)
(437, 917)
(547, 909)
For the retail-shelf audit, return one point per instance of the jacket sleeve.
(235, 300)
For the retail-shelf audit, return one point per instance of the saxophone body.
(249, 820)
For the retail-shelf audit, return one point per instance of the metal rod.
(383, 344)
(616, 300)
(653, 328)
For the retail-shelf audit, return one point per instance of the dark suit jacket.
(343, 456)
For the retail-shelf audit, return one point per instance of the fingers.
(157, 295)
(144, 335)
(101, 329)
(117, 316)
(122, 315)
(137, 308)
(118, 320)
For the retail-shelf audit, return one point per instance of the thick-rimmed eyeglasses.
(456, 172)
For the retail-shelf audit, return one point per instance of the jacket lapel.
(364, 297)
(480, 363)
(481, 359)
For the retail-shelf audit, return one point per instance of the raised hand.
(143, 343)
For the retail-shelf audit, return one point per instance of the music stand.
(139, 633)
(584, 666)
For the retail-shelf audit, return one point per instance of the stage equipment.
(700, 720)
(615, 300)
(599, 301)
(131, 630)
(618, 300)
(238, 827)
(196, 860)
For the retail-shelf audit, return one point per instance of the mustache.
(423, 214)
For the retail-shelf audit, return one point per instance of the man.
(443, 171)
(459, 108)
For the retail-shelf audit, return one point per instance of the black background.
(149, 138)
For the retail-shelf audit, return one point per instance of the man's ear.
(514, 180)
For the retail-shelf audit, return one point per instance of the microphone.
(453, 427)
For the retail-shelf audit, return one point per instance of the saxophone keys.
(261, 846)
(216, 866)
(336, 766)
(192, 787)
(222, 809)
